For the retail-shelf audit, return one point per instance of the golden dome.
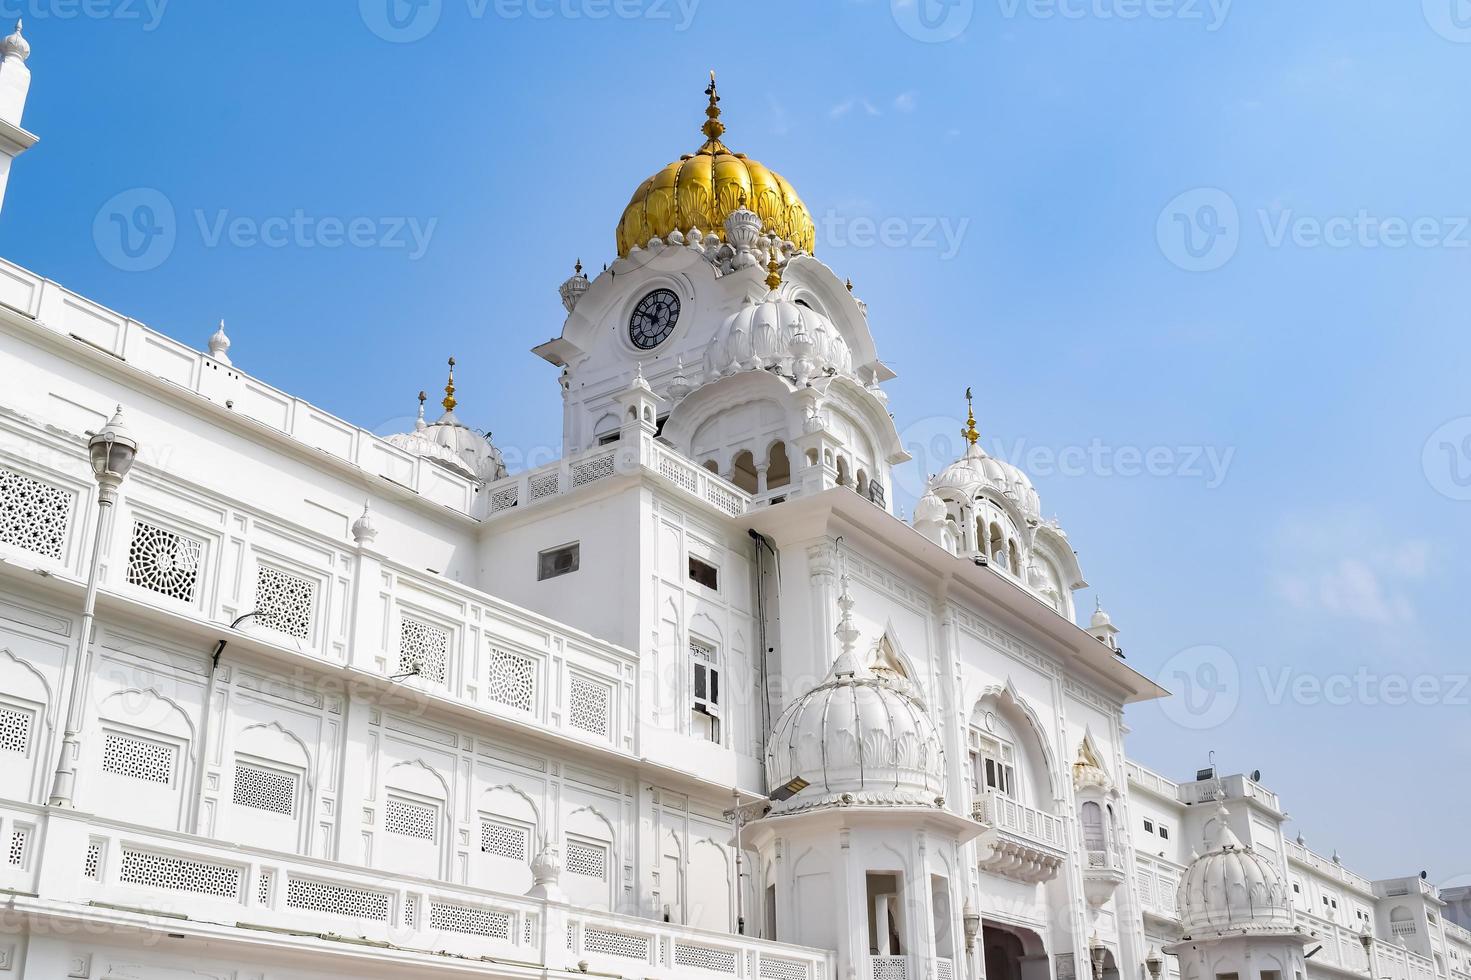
(701, 189)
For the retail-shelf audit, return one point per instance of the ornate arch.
(1007, 693)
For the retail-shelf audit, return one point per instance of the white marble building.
(550, 722)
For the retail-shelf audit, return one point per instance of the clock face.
(653, 319)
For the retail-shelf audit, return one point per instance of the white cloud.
(1349, 566)
(904, 101)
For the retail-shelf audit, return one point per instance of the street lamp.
(741, 814)
(1154, 963)
(111, 453)
(970, 919)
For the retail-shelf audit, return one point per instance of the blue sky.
(1235, 233)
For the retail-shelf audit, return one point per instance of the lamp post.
(112, 452)
(1154, 963)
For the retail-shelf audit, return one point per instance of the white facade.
(500, 725)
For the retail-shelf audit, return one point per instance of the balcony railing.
(1021, 842)
(1328, 867)
(92, 862)
(1027, 822)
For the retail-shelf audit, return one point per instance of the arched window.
(844, 477)
(712, 466)
(778, 466)
(998, 544)
(743, 471)
(862, 483)
(1094, 838)
(1014, 557)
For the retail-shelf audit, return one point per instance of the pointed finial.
(577, 269)
(16, 44)
(969, 432)
(449, 388)
(713, 128)
(742, 199)
(219, 344)
(419, 423)
(363, 531)
(773, 277)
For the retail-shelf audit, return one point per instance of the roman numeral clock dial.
(653, 319)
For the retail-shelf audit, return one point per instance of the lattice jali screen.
(164, 561)
(410, 819)
(20, 843)
(587, 705)
(33, 515)
(593, 469)
(285, 602)
(589, 860)
(615, 943)
(504, 840)
(705, 957)
(15, 728)
(265, 789)
(471, 920)
(263, 887)
(138, 758)
(776, 968)
(505, 499)
(512, 679)
(92, 864)
(546, 485)
(423, 649)
(180, 874)
(321, 896)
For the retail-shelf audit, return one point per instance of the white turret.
(15, 85)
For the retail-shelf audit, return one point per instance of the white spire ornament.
(219, 345)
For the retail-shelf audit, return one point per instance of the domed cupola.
(697, 192)
(860, 738)
(451, 443)
(1232, 890)
(977, 473)
(778, 335)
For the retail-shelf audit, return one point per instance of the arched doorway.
(1014, 953)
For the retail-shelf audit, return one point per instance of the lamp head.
(112, 452)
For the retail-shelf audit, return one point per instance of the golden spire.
(713, 128)
(969, 432)
(449, 388)
(773, 277)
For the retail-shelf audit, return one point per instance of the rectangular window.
(1148, 826)
(410, 819)
(609, 439)
(1164, 832)
(137, 758)
(558, 561)
(706, 676)
(704, 573)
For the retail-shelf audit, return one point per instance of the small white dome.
(930, 509)
(15, 45)
(1100, 618)
(1233, 889)
(775, 334)
(858, 738)
(451, 443)
(976, 472)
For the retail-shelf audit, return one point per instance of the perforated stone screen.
(512, 679)
(285, 602)
(470, 920)
(137, 758)
(705, 957)
(410, 819)
(15, 728)
(164, 561)
(265, 789)
(503, 840)
(33, 515)
(587, 705)
(589, 860)
(322, 896)
(179, 874)
(423, 649)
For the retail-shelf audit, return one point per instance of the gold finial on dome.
(449, 388)
(713, 128)
(773, 277)
(969, 432)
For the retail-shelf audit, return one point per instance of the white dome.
(775, 334)
(453, 445)
(975, 472)
(1233, 889)
(930, 509)
(858, 738)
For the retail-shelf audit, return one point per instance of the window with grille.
(164, 561)
(470, 920)
(179, 874)
(138, 758)
(512, 679)
(409, 819)
(995, 765)
(587, 859)
(15, 728)
(587, 705)
(423, 649)
(263, 887)
(285, 602)
(705, 957)
(19, 838)
(558, 561)
(33, 515)
(609, 943)
(504, 839)
(265, 789)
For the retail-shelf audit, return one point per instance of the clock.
(653, 319)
